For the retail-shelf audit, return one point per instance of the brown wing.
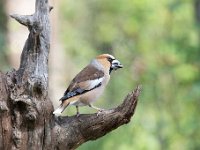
(83, 82)
(88, 73)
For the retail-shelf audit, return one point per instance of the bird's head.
(109, 62)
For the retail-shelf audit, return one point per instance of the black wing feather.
(76, 92)
(88, 73)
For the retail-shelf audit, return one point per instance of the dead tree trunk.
(26, 119)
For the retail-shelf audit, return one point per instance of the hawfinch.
(89, 84)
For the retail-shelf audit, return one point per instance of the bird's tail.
(60, 109)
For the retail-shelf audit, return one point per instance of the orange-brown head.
(109, 62)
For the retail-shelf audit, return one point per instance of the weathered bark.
(78, 130)
(26, 119)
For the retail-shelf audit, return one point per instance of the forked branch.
(90, 127)
(26, 119)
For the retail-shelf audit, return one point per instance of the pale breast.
(92, 96)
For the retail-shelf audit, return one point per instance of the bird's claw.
(100, 111)
(77, 114)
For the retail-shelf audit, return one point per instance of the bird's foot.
(77, 114)
(100, 110)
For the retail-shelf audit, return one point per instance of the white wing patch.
(92, 83)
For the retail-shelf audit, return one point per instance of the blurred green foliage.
(3, 36)
(158, 43)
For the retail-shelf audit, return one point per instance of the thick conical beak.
(116, 64)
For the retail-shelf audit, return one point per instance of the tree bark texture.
(26, 119)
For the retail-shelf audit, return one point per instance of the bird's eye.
(110, 59)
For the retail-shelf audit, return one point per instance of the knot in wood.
(3, 106)
(36, 85)
(16, 136)
(31, 116)
(36, 28)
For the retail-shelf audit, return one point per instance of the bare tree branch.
(30, 106)
(24, 20)
(93, 126)
(26, 119)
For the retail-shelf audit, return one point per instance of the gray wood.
(26, 119)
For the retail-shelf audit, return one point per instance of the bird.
(88, 85)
